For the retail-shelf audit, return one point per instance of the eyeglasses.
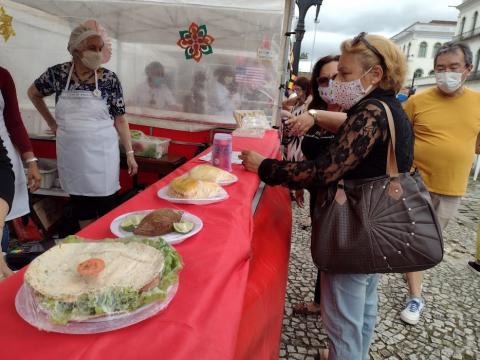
(323, 81)
(361, 38)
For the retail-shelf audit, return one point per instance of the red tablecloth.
(204, 319)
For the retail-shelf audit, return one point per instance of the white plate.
(235, 160)
(29, 311)
(228, 182)
(172, 238)
(163, 194)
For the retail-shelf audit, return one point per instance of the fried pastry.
(210, 173)
(185, 187)
(158, 222)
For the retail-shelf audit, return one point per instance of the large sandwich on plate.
(79, 280)
(211, 173)
(185, 187)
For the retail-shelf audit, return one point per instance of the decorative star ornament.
(6, 29)
(196, 42)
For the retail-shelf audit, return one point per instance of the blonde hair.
(395, 66)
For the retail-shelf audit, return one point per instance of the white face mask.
(325, 92)
(348, 93)
(449, 82)
(92, 59)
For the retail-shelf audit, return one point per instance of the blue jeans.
(349, 313)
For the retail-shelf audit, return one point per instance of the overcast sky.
(341, 19)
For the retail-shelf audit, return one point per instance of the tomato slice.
(91, 267)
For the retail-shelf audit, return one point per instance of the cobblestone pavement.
(450, 324)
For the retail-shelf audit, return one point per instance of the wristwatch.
(314, 114)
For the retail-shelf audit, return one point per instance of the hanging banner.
(196, 42)
(6, 29)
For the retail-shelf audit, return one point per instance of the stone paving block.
(450, 325)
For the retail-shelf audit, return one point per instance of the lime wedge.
(130, 223)
(183, 227)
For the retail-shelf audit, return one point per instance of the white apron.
(20, 205)
(88, 155)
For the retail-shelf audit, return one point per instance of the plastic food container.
(148, 146)
(251, 119)
(48, 170)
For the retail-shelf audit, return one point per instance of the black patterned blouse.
(55, 78)
(358, 151)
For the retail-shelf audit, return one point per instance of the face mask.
(346, 94)
(449, 82)
(157, 81)
(402, 97)
(92, 59)
(326, 92)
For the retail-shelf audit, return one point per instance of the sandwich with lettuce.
(79, 280)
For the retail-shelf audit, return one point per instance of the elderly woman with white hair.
(89, 120)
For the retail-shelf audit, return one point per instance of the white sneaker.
(413, 310)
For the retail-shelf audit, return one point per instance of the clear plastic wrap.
(99, 300)
(149, 146)
(160, 81)
(251, 119)
(30, 311)
(163, 194)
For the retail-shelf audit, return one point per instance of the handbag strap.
(395, 189)
(392, 166)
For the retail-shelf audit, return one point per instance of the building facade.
(419, 42)
(468, 32)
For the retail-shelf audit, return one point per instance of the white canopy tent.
(248, 42)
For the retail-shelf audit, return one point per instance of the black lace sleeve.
(354, 141)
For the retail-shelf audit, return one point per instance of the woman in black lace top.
(371, 69)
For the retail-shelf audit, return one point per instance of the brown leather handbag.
(377, 225)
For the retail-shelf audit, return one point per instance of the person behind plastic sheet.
(222, 96)
(89, 119)
(446, 122)
(371, 69)
(7, 190)
(195, 101)
(154, 92)
(16, 141)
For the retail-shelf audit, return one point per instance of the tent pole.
(288, 13)
(303, 6)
